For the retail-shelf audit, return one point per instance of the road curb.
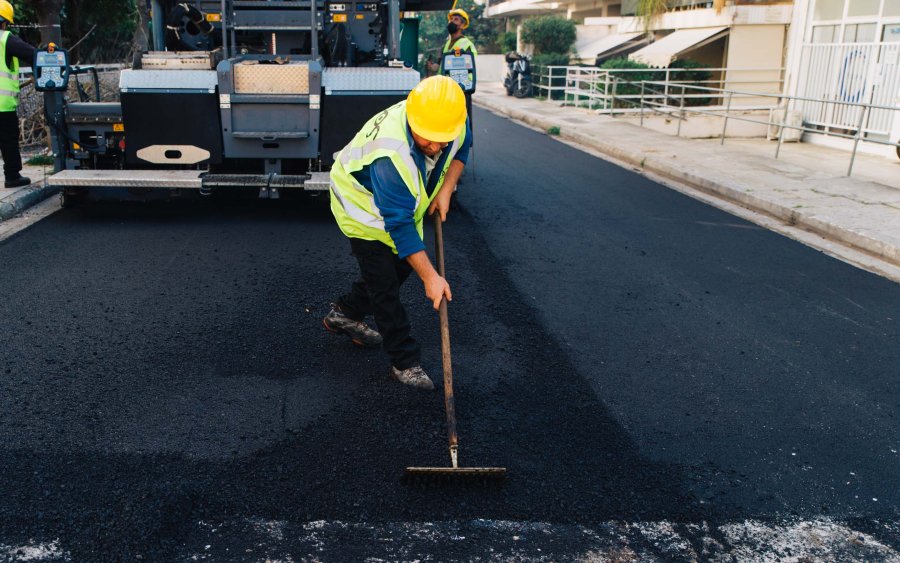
(651, 162)
(20, 200)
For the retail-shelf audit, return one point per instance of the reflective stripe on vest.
(464, 44)
(9, 78)
(383, 136)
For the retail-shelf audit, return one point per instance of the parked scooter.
(518, 75)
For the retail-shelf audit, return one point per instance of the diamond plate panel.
(364, 79)
(290, 78)
(127, 178)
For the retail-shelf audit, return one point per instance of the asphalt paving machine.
(236, 95)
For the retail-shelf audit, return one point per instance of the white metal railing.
(595, 88)
(857, 72)
(674, 105)
(550, 81)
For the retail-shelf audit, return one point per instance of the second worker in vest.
(12, 50)
(402, 164)
(457, 23)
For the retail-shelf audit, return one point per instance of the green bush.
(40, 160)
(696, 77)
(550, 59)
(632, 80)
(549, 34)
(507, 41)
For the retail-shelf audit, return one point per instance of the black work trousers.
(378, 292)
(9, 144)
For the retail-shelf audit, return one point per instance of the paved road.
(663, 381)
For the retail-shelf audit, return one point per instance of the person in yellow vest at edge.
(12, 49)
(457, 22)
(402, 164)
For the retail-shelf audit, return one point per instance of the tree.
(46, 14)
(140, 41)
(549, 34)
(93, 30)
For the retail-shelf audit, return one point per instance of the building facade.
(847, 51)
(748, 37)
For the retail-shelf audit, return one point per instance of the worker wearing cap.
(402, 164)
(12, 49)
(457, 22)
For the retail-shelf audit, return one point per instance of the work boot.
(17, 182)
(414, 376)
(358, 331)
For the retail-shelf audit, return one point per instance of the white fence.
(596, 88)
(867, 73)
(780, 121)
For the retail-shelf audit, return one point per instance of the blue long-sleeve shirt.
(397, 204)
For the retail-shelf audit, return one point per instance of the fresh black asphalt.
(628, 353)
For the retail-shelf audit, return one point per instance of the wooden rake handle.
(449, 404)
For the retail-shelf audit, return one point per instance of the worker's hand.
(436, 288)
(441, 202)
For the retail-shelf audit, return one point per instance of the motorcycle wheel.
(509, 88)
(523, 90)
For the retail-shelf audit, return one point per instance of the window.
(829, 9)
(824, 33)
(891, 33)
(863, 7)
(859, 33)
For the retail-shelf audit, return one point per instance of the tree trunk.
(48, 14)
(73, 29)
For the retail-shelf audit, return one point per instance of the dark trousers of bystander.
(378, 292)
(9, 144)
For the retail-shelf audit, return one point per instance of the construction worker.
(12, 49)
(457, 43)
(402, 164)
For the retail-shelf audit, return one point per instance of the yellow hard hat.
(436, 109)
(461, 13)
(6, 11)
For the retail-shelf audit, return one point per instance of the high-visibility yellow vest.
(382, 136)
(465, 45)
(9, 78)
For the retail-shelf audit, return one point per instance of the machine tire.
(72, 199)
(68, 201)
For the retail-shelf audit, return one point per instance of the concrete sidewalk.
(806, 188)
(15, 201)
